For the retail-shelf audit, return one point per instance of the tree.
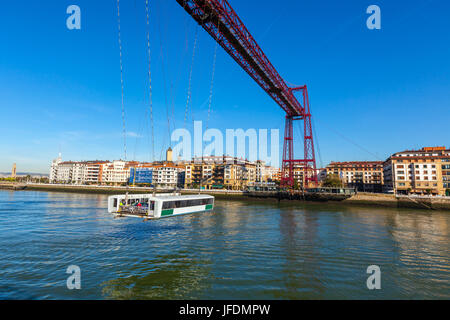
(333, 181)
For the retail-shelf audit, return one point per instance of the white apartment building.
(417, 171)
(250, 173)
(167, 175)
(260, 171)
(116, 172)
(54, 169)
(271, 173)
(78, 169)
(64, 172)
(214, 159)
(92, 172)
(75, 172)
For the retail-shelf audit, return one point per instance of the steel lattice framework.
(219, 19)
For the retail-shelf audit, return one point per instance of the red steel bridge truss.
(219, 19)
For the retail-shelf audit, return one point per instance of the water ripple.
(242, 250)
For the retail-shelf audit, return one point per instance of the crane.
(219, 19)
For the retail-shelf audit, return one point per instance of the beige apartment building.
(225, 173)
(421, 172)
(215, 176)
(364, 176)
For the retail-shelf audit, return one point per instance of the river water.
(242, 250)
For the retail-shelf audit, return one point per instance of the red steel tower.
(219, 19)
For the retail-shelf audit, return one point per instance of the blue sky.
(372, 92)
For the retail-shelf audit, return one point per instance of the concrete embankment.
(110, 190)
(281, 196)
(372, 199)
(12, 186)
(381, 199)
(390, 200)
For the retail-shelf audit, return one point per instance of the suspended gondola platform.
(156, 206)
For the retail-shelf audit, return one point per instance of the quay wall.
(390, 200)
(111, 190)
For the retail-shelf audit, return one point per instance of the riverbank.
(360, 199)
(110, 190)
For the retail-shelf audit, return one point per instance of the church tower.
(169, 156)
(14, 171)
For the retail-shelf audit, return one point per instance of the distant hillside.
(8, 174)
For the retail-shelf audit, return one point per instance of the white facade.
(91, 172)
(54, 168)
(69, 172)
(271, 173)
(260, 171)
(166, 176)
(74, 172)
(78, 169)
(64, 172)
(416, 171)
(115, 172)
(403, 173)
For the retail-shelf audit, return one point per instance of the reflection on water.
(243, 250)
(166, 277)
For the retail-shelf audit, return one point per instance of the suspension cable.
(181, 63)
(316, 142)
(351, 141)
(121, 84)
(212, 85)
(190, 77)
(163, 66)
(147, 10)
